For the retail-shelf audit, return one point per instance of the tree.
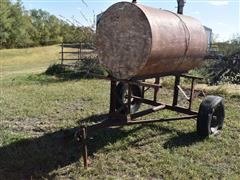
(5, 23)
(20, 28)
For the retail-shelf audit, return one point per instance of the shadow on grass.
(37, 157)
(182, 140)
(58, 78)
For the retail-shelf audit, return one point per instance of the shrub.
(86, 68)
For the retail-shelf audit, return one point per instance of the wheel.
(210, 116)
(122, 98)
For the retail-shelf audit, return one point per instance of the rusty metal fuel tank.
(134, 40)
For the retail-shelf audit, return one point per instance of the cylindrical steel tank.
(135, 40)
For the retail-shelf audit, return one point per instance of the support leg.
(175, 95)
(129, 98)
(192, 94)
(143, 89)
(82, 137)
(156, 89)
(113, 96)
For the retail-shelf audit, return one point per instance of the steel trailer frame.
(116, 118)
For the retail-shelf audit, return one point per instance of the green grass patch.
(39, 113)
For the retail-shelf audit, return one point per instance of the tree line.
(20, 28)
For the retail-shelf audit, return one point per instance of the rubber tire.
(120, 91)
(211, 106)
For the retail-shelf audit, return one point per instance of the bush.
(85, 68)
(55, 69)
(91, 66)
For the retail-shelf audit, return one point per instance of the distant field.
(37, 111)
(18, 61)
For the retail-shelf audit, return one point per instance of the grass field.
(39, 112)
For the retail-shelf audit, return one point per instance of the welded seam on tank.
(187, 37)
